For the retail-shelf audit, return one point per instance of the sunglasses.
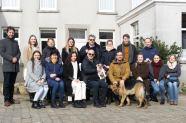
(91, 54)
(92, 39)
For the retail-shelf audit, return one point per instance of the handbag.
(173, 78)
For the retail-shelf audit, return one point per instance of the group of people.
(49, 72)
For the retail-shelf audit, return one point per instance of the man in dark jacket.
(91, 44)
(9, 50)
(149, 50)
(89, 73)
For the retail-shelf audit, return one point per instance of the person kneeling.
(54, 70)
(72, 78)
(35, 80)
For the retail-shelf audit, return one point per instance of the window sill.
(10, 10)
(107, 13)
(48, 11)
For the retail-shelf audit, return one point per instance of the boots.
(102, 102)
(97, 105)
(82, 104)
(31, 97)
(40, 104)
(36, 105)
(53, 104)
(162, 101)
(61, 103)
(76, 104)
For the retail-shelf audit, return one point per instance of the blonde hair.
(73, 47)
(36, 44)
(172, 55)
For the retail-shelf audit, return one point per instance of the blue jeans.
(173, 91)
(58, 85)
(95, 85)
(157, 89)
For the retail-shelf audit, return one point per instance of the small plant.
(184, 88)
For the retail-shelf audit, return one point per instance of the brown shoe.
(172, 103)
(175, 103)
(14, 102)
(7, 103)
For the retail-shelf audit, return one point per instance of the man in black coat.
(89, 73)
(9, 50)
(91, 44)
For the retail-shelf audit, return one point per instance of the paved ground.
(126, 114)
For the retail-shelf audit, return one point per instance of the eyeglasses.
(92, 39)
(91, 54)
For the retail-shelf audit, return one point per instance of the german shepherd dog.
(131, 87)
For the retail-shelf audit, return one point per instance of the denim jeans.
(157, 89)
(58, 85)
(173, 91)
(96, 85)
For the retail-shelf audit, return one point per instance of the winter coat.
(35, 75)
(108, 56)
(65, 54)
(161, 73)
(51, 68)
(149, 52)
(9, 49)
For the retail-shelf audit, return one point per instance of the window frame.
(50, 9)
(101, 10)
(133, 35)
(14, 8)
(183, 29)
(105, 40)
(139, 2)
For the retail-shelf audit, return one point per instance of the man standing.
(89, 73)
(91, 44)
(9, 50)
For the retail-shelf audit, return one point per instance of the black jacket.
(108, 57)
(9, 49)
(68, 72)
(89, 70)
(46, 53)
(64, 54)
(98, 52)
(119, 48)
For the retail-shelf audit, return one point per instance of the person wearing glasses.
(91, 44)
(89, 73)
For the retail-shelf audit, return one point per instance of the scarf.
(54, 61)
(109, 48)
(172, 65)
(156, 68)
(130, 51)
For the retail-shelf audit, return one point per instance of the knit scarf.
(130, 51)
(172, 65)
(54, 61)
(156, 68)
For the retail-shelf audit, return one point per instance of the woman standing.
(172, 72)
(156, 75)
(36, 80)
(27, 55)
(72, 78)
(54, 71)
(70, 47)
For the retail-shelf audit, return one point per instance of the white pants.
(40, 95)
(79, 90)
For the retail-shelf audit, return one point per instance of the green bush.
(164, 50)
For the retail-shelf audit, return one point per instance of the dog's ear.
(101, 65)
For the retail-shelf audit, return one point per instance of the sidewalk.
(155, 113)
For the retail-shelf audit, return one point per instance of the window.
(79, 37)
(44, 35)
(184, 35)
(106, 6)
(48, 5)
(10, 4)
(104, 36)
(136, 3)
(135, 36)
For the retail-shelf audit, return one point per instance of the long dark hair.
(32, 59)
(68, 59)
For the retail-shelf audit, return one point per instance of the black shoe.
(36, 105)
(40, 104)
(154, 99)
(102, 102)
(162, 101)
(31, 97)
(82, 104)
(61, 103)
(53, 104)
(76, 104)
(97, 105)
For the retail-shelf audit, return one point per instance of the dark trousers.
(96, 85)
(8, 86)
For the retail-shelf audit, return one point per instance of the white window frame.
(135, 36)
(16, 8)
(136, 3)
(184, 50)
(102, 10)
(55, 8)
(105, 40)
(41, 39)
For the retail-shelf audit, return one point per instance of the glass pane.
(106, 5)
(184, 39)
(105, 35)
(135, 29)
(48, 33)
(77, 34)
(10, 3)
(103, 45)
(183, 20)
(50, 4)
(16, 34)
